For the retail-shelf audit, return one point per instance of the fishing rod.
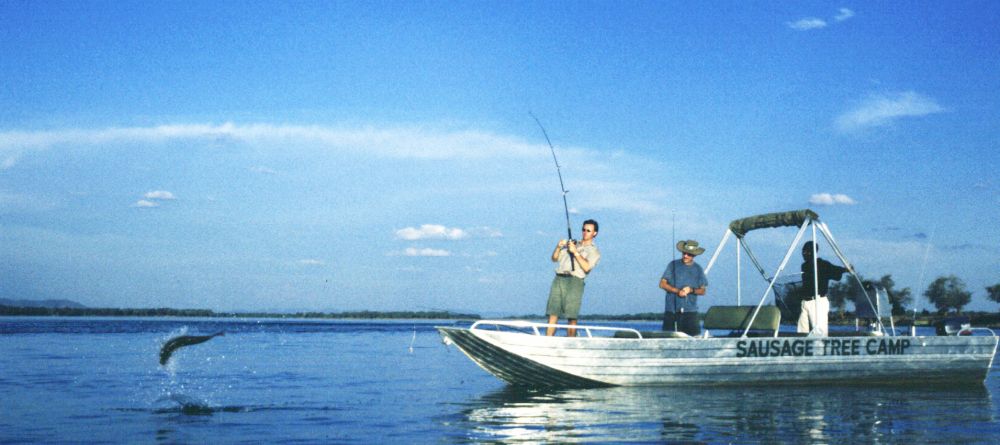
(562, 186)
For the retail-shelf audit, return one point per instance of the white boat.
(741, 345)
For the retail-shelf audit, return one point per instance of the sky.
(339, 156)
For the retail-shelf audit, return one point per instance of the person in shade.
(574, 262)
(815, 305)
(684, 281)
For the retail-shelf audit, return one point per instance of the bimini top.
(740, 227)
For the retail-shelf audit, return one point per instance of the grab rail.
(969, 331)
(536, 326)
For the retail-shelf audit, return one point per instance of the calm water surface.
(98, 380)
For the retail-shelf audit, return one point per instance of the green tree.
(948, 292)
(993, 292)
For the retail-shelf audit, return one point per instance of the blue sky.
(380, 155)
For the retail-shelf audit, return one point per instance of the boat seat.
(736, 318)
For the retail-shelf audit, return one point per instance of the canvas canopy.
(740, 227)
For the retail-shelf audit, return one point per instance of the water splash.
(177, 403)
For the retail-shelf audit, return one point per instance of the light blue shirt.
(680, 275)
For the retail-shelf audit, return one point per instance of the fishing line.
(414, 339)
(923, 267)
(562, 186)
(673, 257)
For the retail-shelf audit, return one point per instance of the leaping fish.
(184, 340)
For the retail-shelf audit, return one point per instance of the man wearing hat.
(684, 280)
(815, 306)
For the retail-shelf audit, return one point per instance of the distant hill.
(42, 303)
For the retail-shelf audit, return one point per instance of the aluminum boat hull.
(540, 361)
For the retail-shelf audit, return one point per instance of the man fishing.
(683, 280)
(574, 261)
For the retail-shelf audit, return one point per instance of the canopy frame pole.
(753, 259)
(739, 282)
(715, 255)
(815, 261)
(770, 284)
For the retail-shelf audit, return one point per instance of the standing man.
(815, 305)
(566, 294)
(684, 280)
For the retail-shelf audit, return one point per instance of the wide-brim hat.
(690, 246)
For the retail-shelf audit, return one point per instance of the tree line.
(946, 293)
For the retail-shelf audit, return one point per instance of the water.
(98, 380)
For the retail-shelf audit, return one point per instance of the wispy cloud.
(879, 110)
(811, 23)
(807, 24)
(485, 232)
(419, 142)
(431, 231)
(311, 262)
(264, 170)
(399, 142)
(425, 252)
(145, 204)
(829, 199)
(843, 14)
(159, 194)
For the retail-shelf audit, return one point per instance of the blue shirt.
(680, 275)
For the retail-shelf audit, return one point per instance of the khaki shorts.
(565, 297)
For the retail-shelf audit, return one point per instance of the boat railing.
(539, 328)
(972, 331)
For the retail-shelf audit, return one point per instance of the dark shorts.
(687, 322)
(565, 297)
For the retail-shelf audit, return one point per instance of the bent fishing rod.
(562, 186)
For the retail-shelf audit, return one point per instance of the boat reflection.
(707, 414)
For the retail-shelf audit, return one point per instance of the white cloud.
(159, 194)
(142, 203)
(413, 251)
(843, 14)
(431, 231)
(807, 24)
(879, 110)
(827, 199)
(8, 162)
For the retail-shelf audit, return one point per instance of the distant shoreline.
(206, 313)
(985, 319)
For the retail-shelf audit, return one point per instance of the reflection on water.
(825, 414)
